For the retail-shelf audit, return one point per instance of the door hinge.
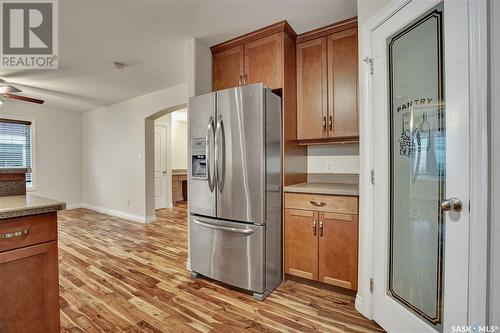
(372, 176)
(371, 285)
(369, 61)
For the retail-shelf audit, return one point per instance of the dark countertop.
(324, 188)
(25, 205)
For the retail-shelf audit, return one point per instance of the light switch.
(139, 158)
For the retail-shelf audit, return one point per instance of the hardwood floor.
(120, 276)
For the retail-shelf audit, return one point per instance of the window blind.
(15, 145)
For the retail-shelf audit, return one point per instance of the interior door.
(421, 148)
(228, 68)
(312, 89)
(263, 61)
(160, 167)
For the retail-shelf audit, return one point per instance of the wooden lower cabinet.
(338, 250)
(301, 243)
(322, 245)
(29, 289)
(29, 277)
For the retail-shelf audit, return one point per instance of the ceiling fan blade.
(23, 98)
(8, 89)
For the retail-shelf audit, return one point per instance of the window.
(16, 146)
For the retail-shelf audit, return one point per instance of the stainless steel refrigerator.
(235, 188)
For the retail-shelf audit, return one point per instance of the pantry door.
(421, 141)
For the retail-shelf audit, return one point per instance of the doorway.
(170, 159)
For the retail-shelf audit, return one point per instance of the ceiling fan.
(8, 91)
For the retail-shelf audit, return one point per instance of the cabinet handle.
(321, 228)
(330, 123)
(314, 227)
(239, 80)
(324, 124)
(15, 234)
(317, 203)
(245, 78)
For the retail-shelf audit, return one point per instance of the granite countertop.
(24, 205)
(14, 170)
(324, 188)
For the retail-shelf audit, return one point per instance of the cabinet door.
(312, 89)
(264, 61)
(29, 289)
(227, 68)
(343, 84)
(338, 249)
(301, 243)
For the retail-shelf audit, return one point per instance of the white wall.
(179, 144)
(117, 150)
(495, 163)
(58, 150)
(199, 68)
(342, 158)
(367, 8)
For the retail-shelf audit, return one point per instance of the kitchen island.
(29, 277)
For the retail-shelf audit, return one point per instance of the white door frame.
(478, 87)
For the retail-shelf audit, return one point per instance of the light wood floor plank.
(120, 276)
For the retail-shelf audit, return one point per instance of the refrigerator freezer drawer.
(229, 252)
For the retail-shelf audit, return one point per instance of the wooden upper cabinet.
(343, 84)
(227, 68)
(264, 61)
(301, 243)
(327, 83)
(259, 57)
(338, 250)
(312, 89)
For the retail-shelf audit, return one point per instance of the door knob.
(452, 204)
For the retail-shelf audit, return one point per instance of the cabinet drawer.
(27, 230)
(322, 203)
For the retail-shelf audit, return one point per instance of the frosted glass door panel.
(417, 153)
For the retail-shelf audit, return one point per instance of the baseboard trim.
(358, 303)
(74, 206)
(120, 214)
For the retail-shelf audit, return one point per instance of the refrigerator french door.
(235, 200)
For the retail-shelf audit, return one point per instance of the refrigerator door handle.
(222, 228)
(220, 154)
(209, 135)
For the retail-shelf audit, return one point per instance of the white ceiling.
(149, 37)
